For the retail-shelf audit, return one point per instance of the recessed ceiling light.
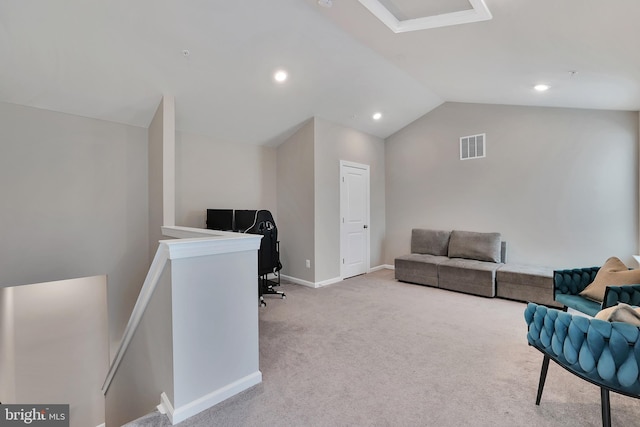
(280, 76)
(377, 116)
(541, 87)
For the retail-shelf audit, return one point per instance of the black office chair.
(268, 254)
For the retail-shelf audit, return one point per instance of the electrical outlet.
(308, 263)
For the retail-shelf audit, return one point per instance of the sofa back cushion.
(430, 242)
(472, 245)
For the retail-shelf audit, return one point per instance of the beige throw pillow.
(613, 272)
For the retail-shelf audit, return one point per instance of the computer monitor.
(244, 219)
(220, 219)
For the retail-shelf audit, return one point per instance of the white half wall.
(197, 340)
(561, 185)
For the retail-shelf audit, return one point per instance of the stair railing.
(148, 287)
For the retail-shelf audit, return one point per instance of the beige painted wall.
(334, 143)
(74, 203)
(559, 184)
(295, 183)
(218, 175)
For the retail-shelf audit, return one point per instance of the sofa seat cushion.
(430, 242)
(579, 303)
(526, 275)
(418, 268)
(526, 283)
(470, 276)
(477, 246)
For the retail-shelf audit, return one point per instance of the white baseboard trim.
(331, 281)
(328, 282)
(312, 284)
(165, 406)
(382, 267)
(102, 425)
(177, 415)
(298, 281)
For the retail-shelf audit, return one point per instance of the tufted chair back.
(628, 294)
(574, 281)
(603, 353)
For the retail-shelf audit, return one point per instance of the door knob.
(366, 226)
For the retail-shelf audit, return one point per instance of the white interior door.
(354, 219)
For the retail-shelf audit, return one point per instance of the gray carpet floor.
(371, 351)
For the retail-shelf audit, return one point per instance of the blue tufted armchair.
(602, 353)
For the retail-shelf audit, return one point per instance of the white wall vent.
(473, 147)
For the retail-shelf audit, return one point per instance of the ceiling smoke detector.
(325, 3)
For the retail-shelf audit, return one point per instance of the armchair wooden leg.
(543, 377)
(606, 408)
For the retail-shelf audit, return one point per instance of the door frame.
(367, 255)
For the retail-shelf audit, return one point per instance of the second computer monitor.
(243, 219)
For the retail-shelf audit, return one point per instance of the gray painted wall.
(559, 184)
(7, 345)
(309, 197)
(74, 203)
(146, 369)
(332, 144)
(295, 197)
(156, 180)
(212, 174)
(49, 319)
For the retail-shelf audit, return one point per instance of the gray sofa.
(463, 261)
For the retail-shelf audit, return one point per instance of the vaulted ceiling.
(114, 59)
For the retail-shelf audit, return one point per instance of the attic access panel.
(414, 9)
(399, 15)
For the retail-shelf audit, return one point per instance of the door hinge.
(343, 260)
